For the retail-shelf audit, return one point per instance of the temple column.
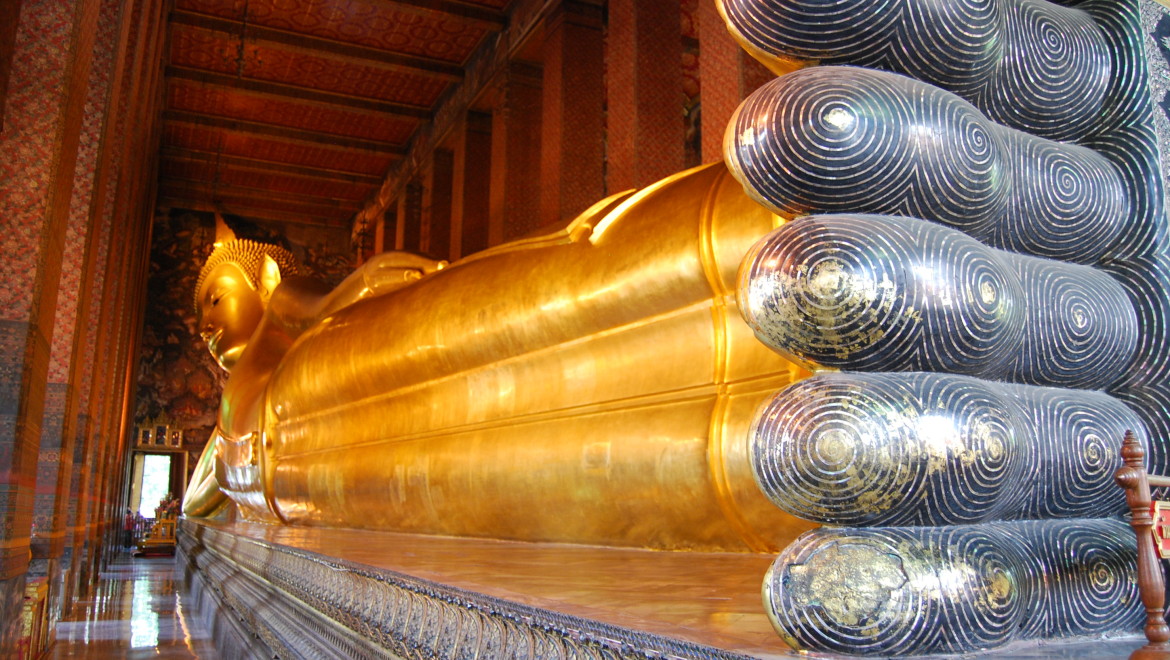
(120, 327)
(573, 112)
(379, 233)
(727, 74)
(87, 534)
(410, 217)
(138, 209)
(515, 179)
(97, 297)
(645, 130)
(395, 241)
(9, 21)
(436, 240)
(43, 117)
(388, 229)
(471, 184)
(79, 407)
(364, 241)
(90, 372)
(60, 422)
(121, 208)
(377, 236)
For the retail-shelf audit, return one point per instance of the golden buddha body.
(594, 385)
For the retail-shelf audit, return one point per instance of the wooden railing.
(1133, 478)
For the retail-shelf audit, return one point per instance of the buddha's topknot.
(249, 256)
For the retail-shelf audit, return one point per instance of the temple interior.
(529, 436)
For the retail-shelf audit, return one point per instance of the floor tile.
(136, 610)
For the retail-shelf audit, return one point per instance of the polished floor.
(136, 610)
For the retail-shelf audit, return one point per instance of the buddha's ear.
(269, 277)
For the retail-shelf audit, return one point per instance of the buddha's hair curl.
(249, 256)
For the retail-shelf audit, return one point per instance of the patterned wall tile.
(28, 146)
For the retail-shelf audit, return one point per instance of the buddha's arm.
(382, 273)
(300, 302)
(204, 498)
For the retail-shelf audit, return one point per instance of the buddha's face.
(230, 309)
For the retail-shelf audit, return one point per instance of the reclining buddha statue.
(601, 371)
(918, 307)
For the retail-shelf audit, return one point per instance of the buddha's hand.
(203, 497)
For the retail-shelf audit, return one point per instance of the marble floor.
(136, 610)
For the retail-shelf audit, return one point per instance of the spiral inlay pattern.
(875, 293)
(891, 449)
(1078, 193)
(952, 589)
(1084, 577)
(1152, 403)
(839, 139)
(1147, 281)
(937, 449)
(1028, 64)
(881, 293)
(1074, 451)
(1082, 329)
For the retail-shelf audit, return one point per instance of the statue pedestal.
(304, 591)
(266, 590)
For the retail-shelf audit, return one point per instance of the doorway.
(154, 476)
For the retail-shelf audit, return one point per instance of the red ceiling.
(218, 52)
(296, 109)
(401, 28)
(222, 102)
(226, 142)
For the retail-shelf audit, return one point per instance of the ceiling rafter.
(295, 92)
(363, 54)
(252, 209)
(208, 190)
(281, 132)
(485, 17)
(310, 105)
(197, 155)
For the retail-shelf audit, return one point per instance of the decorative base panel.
(277, 594)
(269, 591)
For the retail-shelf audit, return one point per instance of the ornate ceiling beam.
(206, 190)
(485, 17)
(281, 132)
(249, 209)
(363, 54)
(296, 93)
(266, 165)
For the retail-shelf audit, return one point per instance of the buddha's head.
(233, 290)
